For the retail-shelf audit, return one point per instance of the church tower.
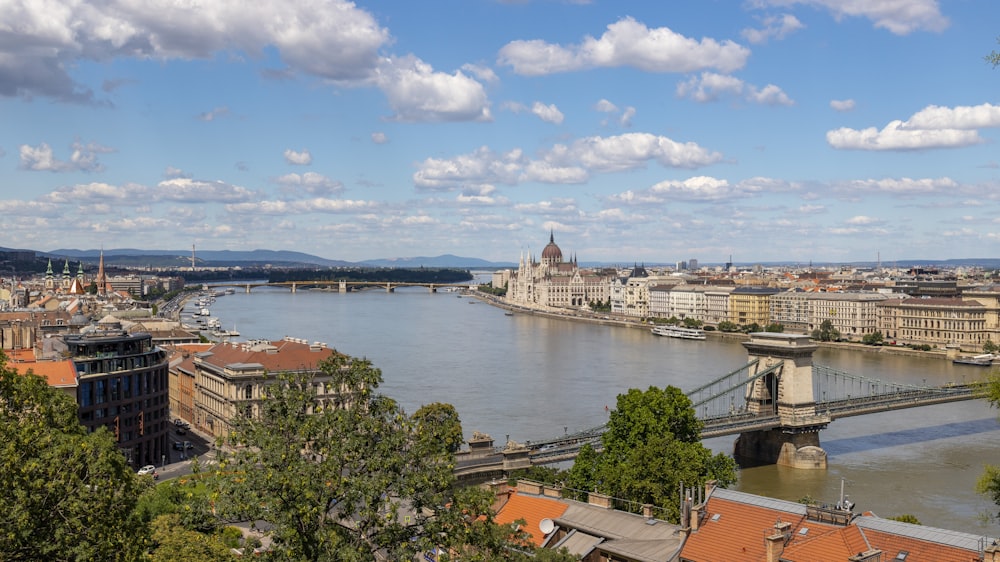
(50, 278)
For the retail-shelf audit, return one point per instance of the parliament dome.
(552, 254)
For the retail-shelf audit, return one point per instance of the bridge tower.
(787, 391)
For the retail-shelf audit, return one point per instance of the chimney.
(992, 553)
(774, 546)
(647, 510)
(599, 500)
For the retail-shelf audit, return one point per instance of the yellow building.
(751, 305)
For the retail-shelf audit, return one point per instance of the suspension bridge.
(777, 403)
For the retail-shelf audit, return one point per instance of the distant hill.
(446, 260)
(281, 258)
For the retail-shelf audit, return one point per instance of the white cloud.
(483, 73)
(379, 138)
(417, 93)
(961, 117)
(172, 172)
(625, 120)
(200, 191)
(895, 137)
(902, 186)
(548, 113)
(562, 163)
(82, 159)
(604, 106)
(332, 39)
(842, 105)
(900, 17)
(303, 158)
(862, 220)
(310, 183)
(777, 27)
(625, 43)
(710, 86)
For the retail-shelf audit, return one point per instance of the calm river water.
(531, 378)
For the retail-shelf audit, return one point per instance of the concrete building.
(854, 315)
(123, 386)
(231, 378)
(555, 282)
(792, 310)
(938, 322)
(751, 305)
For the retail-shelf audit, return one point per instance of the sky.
(631, 131)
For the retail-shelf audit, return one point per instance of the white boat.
(679, 332)
(205, 312)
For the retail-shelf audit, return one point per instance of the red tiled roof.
(57, 373)
(287, 356)
(532, 510)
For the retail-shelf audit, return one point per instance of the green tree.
(172, 542)
(990, 347)
(67, 494)
(774, 327)
(989, 481)
(874, 338)
(652, 443)
(826, 332)
(727, 326)
(345, 482)
(906, 518)
(439, 427)
(994, 57)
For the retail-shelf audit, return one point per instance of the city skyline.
(767, 130)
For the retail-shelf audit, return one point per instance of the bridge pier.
(343, 287)
(787, 391)
(389, 288)
(294, 287)
(248, 288)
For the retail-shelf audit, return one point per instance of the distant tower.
(192, 257)
(102, 279)
(50, 278)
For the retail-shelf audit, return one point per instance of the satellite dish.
(546, 526)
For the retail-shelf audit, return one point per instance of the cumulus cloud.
(172, 172)
(710, 86)
(303, 158)
(604, 106)
(626, 42)
(548, 113)
(900, 17)
(842, 105)
(310, 183)
(315, 205)
(416, 92)
(901, 186)
(931, 127)
(82, 159)
(777, 27)
(379, 138)
(331, 39)
(562, 164)
(200, 191)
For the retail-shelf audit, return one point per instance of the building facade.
(554, 282)
(122, 385)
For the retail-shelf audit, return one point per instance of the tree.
(652, 443)
(67, 494)
(350, 480)
(874, 338)
(990, 347)
(989, 481)
(727, 326)
(906, 518)
(438, 427)
(172, 542)
(826, 332)
(994, 57)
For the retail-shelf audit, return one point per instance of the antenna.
(546, 526)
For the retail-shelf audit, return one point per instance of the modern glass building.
(123, 386)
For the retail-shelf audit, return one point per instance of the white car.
(148, 469)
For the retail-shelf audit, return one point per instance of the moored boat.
(679, 332)
(984, 360)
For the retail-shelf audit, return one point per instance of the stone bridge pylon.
(784, 390)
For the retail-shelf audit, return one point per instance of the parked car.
(180, 446)
(181, 431)
(148, 469)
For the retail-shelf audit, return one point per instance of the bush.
(231, 536)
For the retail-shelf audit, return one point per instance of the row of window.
(124, 387)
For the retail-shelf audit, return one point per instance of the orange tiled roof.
(738, 531)
(532, 510)
(290, 356)
(57, 373)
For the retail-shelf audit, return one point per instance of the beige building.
(854, 315)
(717, 303)
(989, 297)
(791, 309)
(232, 377)
(939, 322)
(553, 282)
(751, 305)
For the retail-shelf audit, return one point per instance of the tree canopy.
(652, 443)
(67, 494)
(355, 480)
(989, 481)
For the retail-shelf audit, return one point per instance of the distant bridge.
(342, 286)
(777, 403)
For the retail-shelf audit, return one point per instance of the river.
(529, 377)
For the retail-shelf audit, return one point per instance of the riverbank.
(607, 319)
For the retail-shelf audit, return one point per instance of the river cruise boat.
(679, 332)
(985, 360)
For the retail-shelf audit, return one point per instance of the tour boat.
(679, 332)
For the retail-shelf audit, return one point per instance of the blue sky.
(794, 130)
